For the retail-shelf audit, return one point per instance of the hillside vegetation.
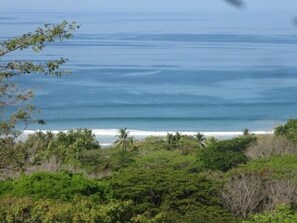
(68, 177)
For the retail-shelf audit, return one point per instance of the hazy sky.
(274, 6)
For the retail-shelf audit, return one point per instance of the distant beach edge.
(106, 137)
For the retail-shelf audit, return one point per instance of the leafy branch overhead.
(237, 3)
(36, 41)
(16, 113)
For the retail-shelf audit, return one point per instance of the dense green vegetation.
(178, 195)
(25, 209)
(17, 113)
(68, 177)
(289, 130)
(224, 155)
(282, 214)
(61, 185)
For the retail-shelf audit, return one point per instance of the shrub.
(282, 214)
(66, 146)
(273, 178)
(27, 210)
(270, 145)
(152, 143)
(78, 138)
(62, 186)
(120, 159)
(289, 130)
(275, 167)
(166, 159)
(244, 194)
(226, 154)
(170, 195)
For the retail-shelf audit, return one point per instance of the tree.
(16, 112)
(124, 140)
(288, 130)
(201, 139)
(174, 140)
(179, 195)
(226, 154)
(170, 138)
(246, 132)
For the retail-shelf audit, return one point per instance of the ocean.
(164, 71)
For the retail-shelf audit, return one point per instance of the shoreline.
(106, 137)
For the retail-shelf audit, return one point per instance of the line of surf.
(144, 133)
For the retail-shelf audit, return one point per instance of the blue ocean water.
(165, 71)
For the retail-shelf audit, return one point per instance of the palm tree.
(201, 139)
(123, 138)
(246, 132)
(177, 139)
(170, 138)
(174, 140)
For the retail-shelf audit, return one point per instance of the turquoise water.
(161, 72)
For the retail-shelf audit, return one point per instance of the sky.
(270, 6)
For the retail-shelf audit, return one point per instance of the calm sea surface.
(165, 71)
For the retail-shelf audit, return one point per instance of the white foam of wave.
(141, 133)
(108, 136)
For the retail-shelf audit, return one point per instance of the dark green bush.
(63, 186)
(158, 192)
(226, 154)
(289, 130)
(120, 159)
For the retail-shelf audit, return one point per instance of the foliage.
(210, 141)
(186, 144)
(282, 214)
(5, 186)
(69, 145)
(120, 159)
(27, 210)
(63, 186)
(261, 184)
(15, 110)
(66, 146)
(289, 130)
(167, 159)
(124, 140)
(10, 95)
(246, 132)
(226, 154)
(189, 145)
(274, 167)
(170, 195)
(201, 139)
(244, 194)
(270, 145)
(76, 151)
(174, 140)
